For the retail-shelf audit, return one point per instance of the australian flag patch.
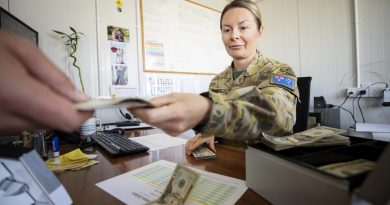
(283, 80)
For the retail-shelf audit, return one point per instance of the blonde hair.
(246, 4)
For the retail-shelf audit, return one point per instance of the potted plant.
(71, 41)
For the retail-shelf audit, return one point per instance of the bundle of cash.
(94, 104)
(179, 187)
(203, 153)
(317, 136)
(348, 169)
(330, 141)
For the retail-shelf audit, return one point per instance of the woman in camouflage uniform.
(254, 94)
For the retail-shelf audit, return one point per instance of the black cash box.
(292, 176)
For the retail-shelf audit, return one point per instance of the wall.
(327, 48)
(44, 16)
(280, 39)
(374, 50)
(315, 37)
(4, 4)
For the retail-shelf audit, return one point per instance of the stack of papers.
(147, 183)
(73, 160)
(159, 141)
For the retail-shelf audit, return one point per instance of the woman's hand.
(175, 113)
(198, 140)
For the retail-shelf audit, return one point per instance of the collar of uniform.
(253, 68)
(249, 71)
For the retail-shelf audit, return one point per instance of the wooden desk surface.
(81, 184)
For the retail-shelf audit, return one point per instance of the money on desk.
(314, 137)
(348, 169)
(202, 152)
(179, 187)
(94, 104)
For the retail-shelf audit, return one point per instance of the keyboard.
(117, 145)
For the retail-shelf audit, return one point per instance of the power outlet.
(375, 92)
(386, 95)
(354, 92)
(370, 92)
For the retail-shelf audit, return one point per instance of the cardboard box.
(292, 176)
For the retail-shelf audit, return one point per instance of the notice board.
(181, 36)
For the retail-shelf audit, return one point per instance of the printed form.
(147, 183)
(159, 141)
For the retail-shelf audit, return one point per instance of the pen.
(56, 149)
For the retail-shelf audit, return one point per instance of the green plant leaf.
(73, 30)
(59, 32)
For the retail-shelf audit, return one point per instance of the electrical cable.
(345, 99)
(340, 106)
(353, 117)
(376, 83)
(353, 106)
(126, 115)
(361, 112)
(360, 96)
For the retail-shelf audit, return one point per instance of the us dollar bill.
(330, 141)
(202, 152)
(322, 131)
(318, 136)
(179, 187)
(94, 104)
(348, 169)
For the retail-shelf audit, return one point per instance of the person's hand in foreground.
(198, 140)
(34, 94)
(175, 113)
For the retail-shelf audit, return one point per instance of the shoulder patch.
(285, 81)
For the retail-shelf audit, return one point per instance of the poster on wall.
(118, 53)
(118, 40)
(154, 55)
(119, 75)
(115, 33)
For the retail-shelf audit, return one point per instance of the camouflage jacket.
(262, 99)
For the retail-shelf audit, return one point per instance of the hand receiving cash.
(94, 104)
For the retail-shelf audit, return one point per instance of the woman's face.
(240, 33)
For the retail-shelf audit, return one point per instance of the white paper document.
(372, 127)
(159, 141)
(147, 183)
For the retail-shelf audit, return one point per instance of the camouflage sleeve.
(247, 112)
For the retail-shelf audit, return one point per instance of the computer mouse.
(118, 131)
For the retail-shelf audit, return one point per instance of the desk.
(81, 184)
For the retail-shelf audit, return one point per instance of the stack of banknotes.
(317, 136)
(348, 169)
(101, 103)
(179, 187)
(203, 152)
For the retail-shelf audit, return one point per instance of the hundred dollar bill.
(179, 187)
(94, 104)
(348, 169)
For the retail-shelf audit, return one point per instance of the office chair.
(302, 116)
